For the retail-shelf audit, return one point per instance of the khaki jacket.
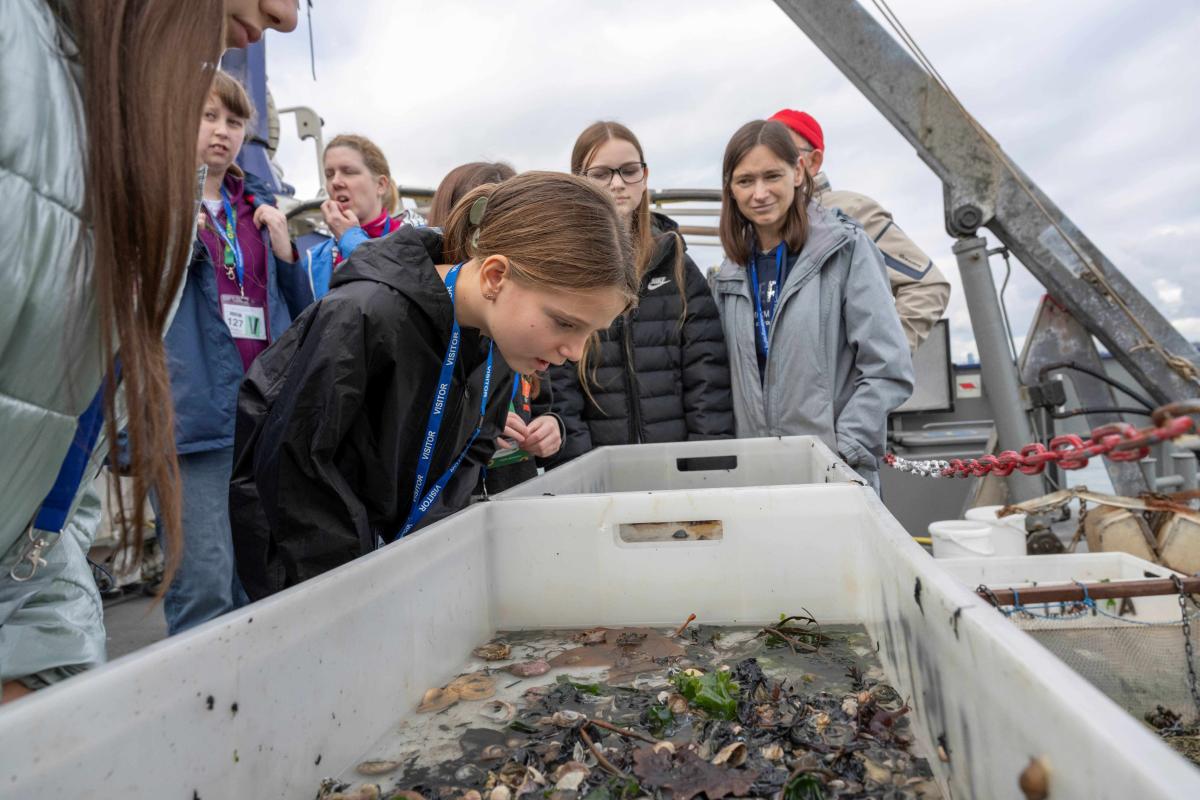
(918, 286)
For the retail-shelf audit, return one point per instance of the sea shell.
(493, 651)
(772, 752)
(732, 754)
(437, 699)
(567, 718)
(475, 686)
(530, 669)
(380, 767)
(498, 711)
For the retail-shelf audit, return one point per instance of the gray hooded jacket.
(839, 361)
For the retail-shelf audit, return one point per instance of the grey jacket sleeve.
(883, 371)
(59, 630)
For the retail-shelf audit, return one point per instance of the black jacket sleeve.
(707, 395)
(313, 518)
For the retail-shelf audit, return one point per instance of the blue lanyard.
(423, 502)
(760, 321)
(229, 238)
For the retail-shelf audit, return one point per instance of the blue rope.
(1087, 598)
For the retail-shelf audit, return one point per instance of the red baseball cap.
(802, 123)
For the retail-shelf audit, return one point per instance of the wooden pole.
(1074, 592)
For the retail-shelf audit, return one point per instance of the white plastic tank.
(1008, 533)
(960, 538)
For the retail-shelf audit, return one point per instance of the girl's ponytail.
(559, 233)
(391, 202)
(458, 232)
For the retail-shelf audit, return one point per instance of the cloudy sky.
(1096, 99)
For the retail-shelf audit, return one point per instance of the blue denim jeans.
(206, 584)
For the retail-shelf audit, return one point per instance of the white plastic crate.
(320, 672)
(1021, 571)
(723, 463)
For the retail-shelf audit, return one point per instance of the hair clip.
(477, 210)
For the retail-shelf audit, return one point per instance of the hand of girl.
(543, 438)
(515, 432)
(276, 223)
(338, 219)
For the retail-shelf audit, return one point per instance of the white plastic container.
(780, 461)
(265, 701)
(1019, 572)
(959, 538)
(1008, 538)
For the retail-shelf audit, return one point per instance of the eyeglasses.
(633, 172)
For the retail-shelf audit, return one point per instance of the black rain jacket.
(655, 380)
(331, 417)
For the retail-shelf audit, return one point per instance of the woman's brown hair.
(232, 95)
(376, 163)
(735, 230)
(641, 228)
(461, 180)
(558, 231)
(146, 69)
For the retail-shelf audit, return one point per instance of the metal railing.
(304, 217)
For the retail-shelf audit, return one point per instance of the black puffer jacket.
(655, 380)
(332, 416)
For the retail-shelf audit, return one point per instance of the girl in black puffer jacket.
(661, 373)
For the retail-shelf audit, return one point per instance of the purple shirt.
(254, 255)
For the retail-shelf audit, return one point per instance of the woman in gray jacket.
(815, 344)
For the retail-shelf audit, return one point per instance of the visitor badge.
(244, 319)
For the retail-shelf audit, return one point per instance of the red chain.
(1118, 441)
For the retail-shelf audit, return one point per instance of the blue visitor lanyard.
(423, 502)
(760, 321)
(229, 239)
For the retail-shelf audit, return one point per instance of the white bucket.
(961, 538)
(1008, 533)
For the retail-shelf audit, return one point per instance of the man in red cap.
(920, 289)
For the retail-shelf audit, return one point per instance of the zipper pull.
(31, 559)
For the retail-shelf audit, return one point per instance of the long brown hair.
(735, 230)
(594, 135)
(376, 163)
(146, 68)
(641, 227)
(461, 180)
(558, 231)
(233, 96)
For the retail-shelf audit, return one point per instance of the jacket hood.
(665, 232)
(404, 261)
(828, 230)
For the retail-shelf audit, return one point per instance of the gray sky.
(1097, 100)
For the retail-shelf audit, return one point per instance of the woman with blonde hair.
(363, 204)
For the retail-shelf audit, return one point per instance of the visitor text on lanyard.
(424, 500)
(760, 321)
